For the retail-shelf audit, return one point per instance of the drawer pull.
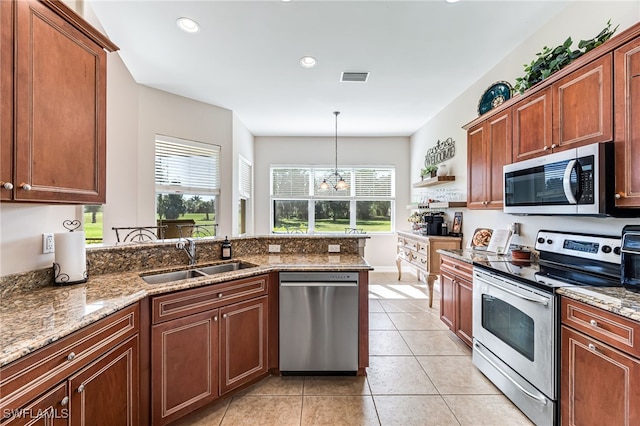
(593, 347)
(64, 401)
(225, 315)
(215, 318)
(219, 295)
(593, 323)
(71, 356)
(80, 388)
(423, 261)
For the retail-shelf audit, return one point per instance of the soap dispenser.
(226, 248)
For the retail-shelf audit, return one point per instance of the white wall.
(272, 151)
(580, 20)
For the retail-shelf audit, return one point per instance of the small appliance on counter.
(630, 257)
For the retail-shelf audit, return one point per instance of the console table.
(421, 252)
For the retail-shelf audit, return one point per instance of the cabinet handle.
(80, 388)
(219, 295)
(553, 145)
(455, 266)
(225, 315)
(593, 323)
(7, 185)
(593, 347)
(545, 148)
(71, 356)
(617, 196)
(423, 261)
(64, 401)
(25, 186)
(215, 318)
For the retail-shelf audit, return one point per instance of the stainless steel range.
(515, 318)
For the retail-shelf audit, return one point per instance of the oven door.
(516, 322)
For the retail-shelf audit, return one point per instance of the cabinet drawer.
(457, 267)
(197, 300)
(35, 373)
(617, 331)
(421, 261)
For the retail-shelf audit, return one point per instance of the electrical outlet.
(334, 248)
(274, 248)
(48, 245)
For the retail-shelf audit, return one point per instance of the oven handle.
(540, 399)
(544, 302)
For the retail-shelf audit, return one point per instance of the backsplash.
(126, 257)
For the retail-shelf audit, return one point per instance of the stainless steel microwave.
(578, 181)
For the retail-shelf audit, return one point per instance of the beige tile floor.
(419, 374)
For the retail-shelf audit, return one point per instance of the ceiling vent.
(354, 77)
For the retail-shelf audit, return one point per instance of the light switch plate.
(334, 248)
(274, 248)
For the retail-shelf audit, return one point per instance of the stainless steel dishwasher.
(318, 322)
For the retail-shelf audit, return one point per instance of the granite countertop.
(471, 256)
(617, 300)
(33, 318)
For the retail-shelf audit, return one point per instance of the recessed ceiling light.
(451, 1)
(308, 61)
(187, 25)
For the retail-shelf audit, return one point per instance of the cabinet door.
(599, 385)
(50, 409)
(106, 392)
(6, 99)
(476, 167)
(532, 126)
(627, 107)
(184, 365)
(464, 305)
(243, 343)
(498, 153)
(582, 105)
(447, 299)
(60, 107)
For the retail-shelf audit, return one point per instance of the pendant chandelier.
(340, 183)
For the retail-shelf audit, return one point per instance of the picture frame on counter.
(456, 227)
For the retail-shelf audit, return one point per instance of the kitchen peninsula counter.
(33, 317)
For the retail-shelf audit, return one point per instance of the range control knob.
(616, 250)
(549, 241)
(541, 240)
(606, 249)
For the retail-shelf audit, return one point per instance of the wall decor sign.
(443, 151)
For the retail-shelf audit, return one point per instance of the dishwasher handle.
(318, 284)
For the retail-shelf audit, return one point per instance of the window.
(187, 176)
(245, 190)
(299, 206)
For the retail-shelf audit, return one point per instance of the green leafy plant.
(551, 60)
(430, 170)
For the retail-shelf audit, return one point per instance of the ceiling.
(421, 55)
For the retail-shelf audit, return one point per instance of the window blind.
(290, 182)
(374, 183)
(245, 178)
(184, 166)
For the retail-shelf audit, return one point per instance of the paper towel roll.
(71, 258)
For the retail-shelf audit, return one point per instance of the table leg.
(430, 280)
(399, 266)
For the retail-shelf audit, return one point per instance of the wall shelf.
(437, 205)
(436, 180)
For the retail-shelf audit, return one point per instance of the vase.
(442, 170)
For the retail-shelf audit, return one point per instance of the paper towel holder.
(62, 277)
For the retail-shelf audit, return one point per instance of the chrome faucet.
(189, 246)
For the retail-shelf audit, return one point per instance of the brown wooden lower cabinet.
(184, 365)
(600, 385)
(456, 297)
(50, 409)
(243, 343)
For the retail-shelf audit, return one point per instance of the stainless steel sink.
(167, 277)
(225, 267)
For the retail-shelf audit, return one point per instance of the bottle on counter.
(445, 228)
(226, 249)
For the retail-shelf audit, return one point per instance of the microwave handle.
(566, 182)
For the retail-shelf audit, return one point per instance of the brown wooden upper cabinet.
(53, 87)
(488, 149)
(575, 110)
(627, 119)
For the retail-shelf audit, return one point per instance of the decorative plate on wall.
(495, 95)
